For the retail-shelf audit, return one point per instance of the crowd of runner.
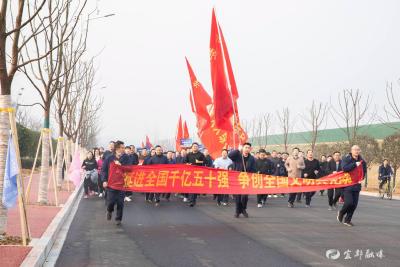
(298, 164)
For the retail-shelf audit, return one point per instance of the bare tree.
(353, 109)
(82, 106)
(392, 109)
(46, 73)
(286, 125)
(11, 28)
(267, 117)
(73, 50)
(313, 119)
(391, 151)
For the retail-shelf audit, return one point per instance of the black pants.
(241, 203)
(87, 184)
(193, 198)
(115, 197)
(222, 198)
(153, 197)
(292, 197)
(128, 193)
(309, 195)
(350, 204)
(298, 197)
(334, 195)
(382, 182)
(100, 185)
(261, 198)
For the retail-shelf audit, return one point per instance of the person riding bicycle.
(385, 172)
(90, 166)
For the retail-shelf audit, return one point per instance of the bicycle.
(386, 189)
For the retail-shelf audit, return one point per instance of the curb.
(375, 194)
(37, 256)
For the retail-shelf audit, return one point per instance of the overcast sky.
(284, 53)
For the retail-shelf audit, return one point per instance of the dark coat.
(237, 158)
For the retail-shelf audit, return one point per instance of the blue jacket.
(385, 173)
(237, 158)
(161, 159)
(106, 166)
(171, 161)
(349, 164)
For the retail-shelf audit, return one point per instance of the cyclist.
(385, 172)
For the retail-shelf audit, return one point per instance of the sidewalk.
(39, 218)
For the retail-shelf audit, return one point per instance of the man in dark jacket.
(114, 196)
(195, 158)
(110, 151)
(263, 166)
(134, 156)
(334, 166)
(385, 172)
(243, 161)
(351, 193)
(209, 161)
(181, 158)
(158, 158)
(311, 171)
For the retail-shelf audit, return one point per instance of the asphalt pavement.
(174, 234)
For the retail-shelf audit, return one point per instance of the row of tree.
(46, 41)
(351, 111)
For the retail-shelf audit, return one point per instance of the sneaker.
(308, 206)
(96, 193)
(109, 216)
(259, 205)
(127, 199)
(348, 224)
(85, 196)
(339, 217)
(290, 205)
(185, 199)
(118, 222)
(236, 215)
(275, 196)
(157, 204)
(218, 204)
(100, 195)
(191, 205)
(245, 214)
(224, 204)
(330, 208)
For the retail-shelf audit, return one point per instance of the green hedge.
(28, 142)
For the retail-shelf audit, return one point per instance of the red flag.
(199, 100)
(232, 82)
(179, 134)
(223, 105)
(185, 131)
(148, 144)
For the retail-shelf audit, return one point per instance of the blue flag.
(10, 189)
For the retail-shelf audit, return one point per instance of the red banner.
(202, 180)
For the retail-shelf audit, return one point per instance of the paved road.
(176, 235)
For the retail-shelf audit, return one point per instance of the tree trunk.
(44, 169)
(5, 102)
(60, 161)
